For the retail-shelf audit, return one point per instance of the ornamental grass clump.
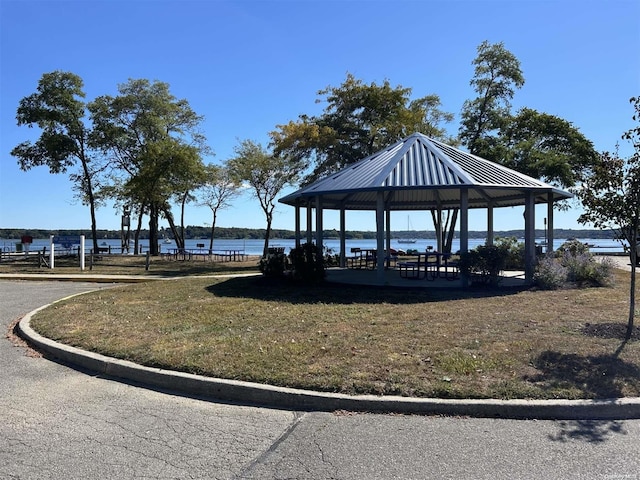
(573, 264)
(550, 274)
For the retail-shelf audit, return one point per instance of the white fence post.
(52, 253)
(81, 252)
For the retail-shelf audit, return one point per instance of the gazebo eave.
(425, 198)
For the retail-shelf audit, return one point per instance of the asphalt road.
(56, 422)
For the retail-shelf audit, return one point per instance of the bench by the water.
(204, 254)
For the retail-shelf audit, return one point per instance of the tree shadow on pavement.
(591, 431)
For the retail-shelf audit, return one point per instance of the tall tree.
(58, 109)
(497, 74)
(266, 174)
(610, 194)
(154, 139)
(216, 192)
(359, 120)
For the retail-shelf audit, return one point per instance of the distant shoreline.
(235, 233)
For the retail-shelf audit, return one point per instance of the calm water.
(254, 247)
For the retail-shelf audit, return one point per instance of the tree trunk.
(174, 230)
(213, 231)
(184, 201)
(136, 241)
(445, 230)
(632, 293)
(265, 250)
(632, 303)
(453, 217)
(87, 187)
(153, 229)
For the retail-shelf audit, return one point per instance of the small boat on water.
(407, 240)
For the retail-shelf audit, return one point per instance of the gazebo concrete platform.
(392, 278)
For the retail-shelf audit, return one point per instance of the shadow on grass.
(268, 288)
(610, 330)
(597, 376)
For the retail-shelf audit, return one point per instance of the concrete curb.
(303, 400)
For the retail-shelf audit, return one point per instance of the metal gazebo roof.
(420, 173)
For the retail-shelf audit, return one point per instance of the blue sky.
(247, 66)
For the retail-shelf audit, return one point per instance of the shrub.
(550, 274)
(574, 264)
(307, 263)
(515, 252)
(273, 265)
(574, 247)
(484, 263)
(583, 268)
(330, 258)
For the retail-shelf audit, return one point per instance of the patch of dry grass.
(350, 339)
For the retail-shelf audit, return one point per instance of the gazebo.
(420, 173)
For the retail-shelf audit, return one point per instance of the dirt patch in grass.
(610, 330)
(350, 339)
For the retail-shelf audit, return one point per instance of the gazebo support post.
(549, 247)
(464, 229)
(438, 227)
(343, 243)
(529, 236)
(309, 222)
(388, 236)
(490, 224)
(380, 237)
(297, 222)
(319, 229)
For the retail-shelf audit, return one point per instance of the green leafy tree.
(497, 75)
(216, 192)
(359, 120)
(610, 194)
(58, 109)
(154, 140)
(545, 146)
(266, 175)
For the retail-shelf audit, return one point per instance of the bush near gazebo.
(515, 252)
(484, 264)
(274, 264)
(572, 265)
(304, 264)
